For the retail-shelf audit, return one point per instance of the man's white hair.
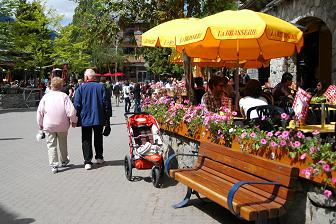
(89, 73)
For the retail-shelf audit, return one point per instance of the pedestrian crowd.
(87, 104)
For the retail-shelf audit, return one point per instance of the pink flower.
(327, 193)
(316, 132)
(269, 134)
(284, 116)
(303, 156)
(253, 135)
(277, 133)
(326, 167)
(243, 135)
(234, 113)
(285, 134)
(263, 141)
(333, 180)
(307, 172)
(282, 143)
(297, 144)
(274, 144)
(312, 150)
(300, 135)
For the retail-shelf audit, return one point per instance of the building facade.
(317, 20)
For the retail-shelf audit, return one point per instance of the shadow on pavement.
(70, 167)
(168, 182)
(216, 211)
(94, 165)
(6, 139)
(8, 218)
(118, 124)
(114, 163)
(11, 110)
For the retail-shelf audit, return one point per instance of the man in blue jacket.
(94, 112)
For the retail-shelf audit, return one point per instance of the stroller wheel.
(155, 175)
(128, 168)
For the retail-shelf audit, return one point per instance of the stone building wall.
(295, 10)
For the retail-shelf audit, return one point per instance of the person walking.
(94, 111)
(116, 92)
(137, 98)
(127, 92)
(54, 115)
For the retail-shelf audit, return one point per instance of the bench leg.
(185, 200)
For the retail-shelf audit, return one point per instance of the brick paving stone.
(30, 193)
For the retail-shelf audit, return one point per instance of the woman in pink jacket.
(54, 115)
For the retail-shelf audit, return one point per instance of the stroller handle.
(127, 114)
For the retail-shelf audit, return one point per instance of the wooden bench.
(251, 187)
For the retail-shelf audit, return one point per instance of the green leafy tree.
(6, 20)
(97, 23)
(31, 35)
(69, 49)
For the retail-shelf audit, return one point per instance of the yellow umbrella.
(164, 35)
(240, 35)
(176, 58)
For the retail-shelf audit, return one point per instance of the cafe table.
(327, 128)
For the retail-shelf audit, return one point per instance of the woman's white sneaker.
(54, 170)
(88, 166)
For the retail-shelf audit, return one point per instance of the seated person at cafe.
(199, 90)
(252, 97)
(229, 89)
(321, 87)
(214, 98)
(282, 93)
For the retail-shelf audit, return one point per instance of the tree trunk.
(188, 75)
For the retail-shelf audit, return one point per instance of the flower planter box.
(278, 154)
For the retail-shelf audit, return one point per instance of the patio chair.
(331, 116)
(268, 117)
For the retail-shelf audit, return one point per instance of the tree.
(31, 35)
(71, 50)
(6, 20)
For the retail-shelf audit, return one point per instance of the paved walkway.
(30, 193)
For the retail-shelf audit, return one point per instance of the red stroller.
(145, 146)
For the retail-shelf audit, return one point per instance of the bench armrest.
(167, 163)
(234, 189)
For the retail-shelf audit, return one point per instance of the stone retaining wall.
(8, 101)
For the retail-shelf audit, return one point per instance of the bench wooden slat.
(224, 171)
(270, 202)
(247, 212)
(258, 161)
(244, 200)
(249, 167)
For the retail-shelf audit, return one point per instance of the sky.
(63, 7)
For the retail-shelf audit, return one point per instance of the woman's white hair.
(89, 73)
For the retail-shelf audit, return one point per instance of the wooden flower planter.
(278, 154)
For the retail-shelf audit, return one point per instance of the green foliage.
(210, 7)
(69, 49)
(31, 36)
(158, 61)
